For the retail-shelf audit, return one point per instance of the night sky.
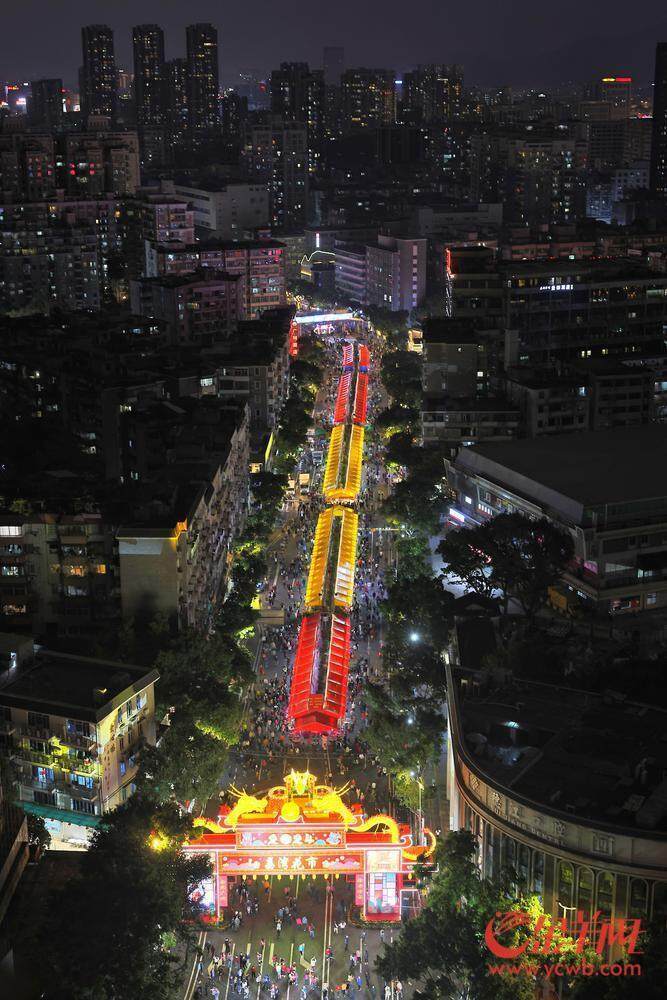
(521, 41)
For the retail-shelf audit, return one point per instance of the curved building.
(566, 787)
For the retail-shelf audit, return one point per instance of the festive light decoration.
(303, 827)
(318, 690)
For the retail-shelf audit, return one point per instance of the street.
(295, 939)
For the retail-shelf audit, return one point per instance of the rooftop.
(439, 330)
(60, 684)
(597, 467)
(479, 404)
(585, 755)
(597, 268)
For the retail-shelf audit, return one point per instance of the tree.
(140, 883)
(186, 765)
(466, 556)
(512, 553)
(418, 500)
(202, 679)
(401, 450)
(397, 417)
(650, 985)
(37, 832)
(445, 947)
(406, 734)
(401, 375)
(418, 604)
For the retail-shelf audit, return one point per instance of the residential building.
(197, 309)
(432, 94)
(396, 273)
(255, 367)
(259, 263)
(176, 101)
(539, 179)
(368, 98)
(60, 266)
(454, 358)
(297, 95)
(176, 563)
(166, 218)
(14, 849)
(57, 573)
(390, 272)
(564, 787)
(597, 486)
(604, 192)
(333, 61)
(98, 84)
(149, 74)
(549, 402)
(202, 77)
(459, 423)
(74, 726)
(619, 395)
(230, 210)
(659, 131)
(45, 108)
(277, 155)
(351, 270)
(99, 162)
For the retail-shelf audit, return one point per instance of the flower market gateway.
(302, 829)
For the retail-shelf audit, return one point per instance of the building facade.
(74, 728)
(560, 837)
(617, 522)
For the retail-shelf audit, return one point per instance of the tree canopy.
(512, 553)
(106, 938)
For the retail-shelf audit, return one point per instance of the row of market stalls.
(318, 692)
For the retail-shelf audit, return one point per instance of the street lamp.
(420, 810)
(414, 637)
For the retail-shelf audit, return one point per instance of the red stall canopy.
(361, 399)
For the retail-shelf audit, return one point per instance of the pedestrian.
(279, 927)
(347, 942)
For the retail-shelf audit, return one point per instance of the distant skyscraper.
(149, 84)
(176, 100)
(617, 92)
(202, 56)
(98, 72)
(277, 154)
(297, 95)
(45, 106)
(334, 57)
(368, 97)
(432, 93)
(659, 143)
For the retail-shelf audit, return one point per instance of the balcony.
(78, 791)
(77, 741)
(34, 756)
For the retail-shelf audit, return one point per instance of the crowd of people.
(268, 748)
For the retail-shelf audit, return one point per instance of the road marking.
(291, 956)
(231, 967)
(261, 969)
(192, 980)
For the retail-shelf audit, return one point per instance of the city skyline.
(525, 49)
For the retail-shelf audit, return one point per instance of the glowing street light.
(414, 637)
